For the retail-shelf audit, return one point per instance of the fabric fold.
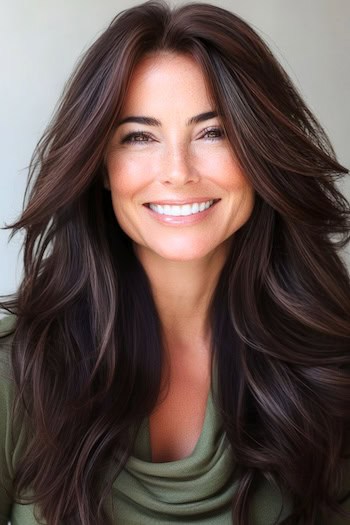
(195, 488)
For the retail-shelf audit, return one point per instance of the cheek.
(127, 177)
(234, 180)
(240, 189)
(239, 185)
(221, 167)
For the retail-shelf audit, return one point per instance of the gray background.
(41, 40)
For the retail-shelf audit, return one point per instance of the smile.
(183, 210)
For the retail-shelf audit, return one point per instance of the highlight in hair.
(280, 313)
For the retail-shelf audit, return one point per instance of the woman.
(180, 340)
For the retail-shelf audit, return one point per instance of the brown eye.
(213, 133)
(138, 136)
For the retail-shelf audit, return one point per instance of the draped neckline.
(198, 484)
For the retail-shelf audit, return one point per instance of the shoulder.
(12, 427)
(8, 439)
(7, 383)
(7, 325)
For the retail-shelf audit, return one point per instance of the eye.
(213, 133)
(136, 137)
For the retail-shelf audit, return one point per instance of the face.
(176, 188)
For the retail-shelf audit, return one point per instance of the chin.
(183, 255)
(177, 258)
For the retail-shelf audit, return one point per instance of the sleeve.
(6, 436)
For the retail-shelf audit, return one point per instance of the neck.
(182, 292)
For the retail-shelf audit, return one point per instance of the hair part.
(280, 314)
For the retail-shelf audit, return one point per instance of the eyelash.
(129, 138)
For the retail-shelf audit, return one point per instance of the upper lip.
(184, 201)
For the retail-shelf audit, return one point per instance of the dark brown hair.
(280, 313)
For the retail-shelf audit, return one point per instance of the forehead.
(167, 80)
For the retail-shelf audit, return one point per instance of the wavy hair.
(280, 314)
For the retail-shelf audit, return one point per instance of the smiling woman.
(176, 162)
(178, 349)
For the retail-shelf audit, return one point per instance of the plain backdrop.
(41, 40)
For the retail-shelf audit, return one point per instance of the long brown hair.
(280, 313)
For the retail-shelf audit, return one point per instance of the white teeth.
(185, 209)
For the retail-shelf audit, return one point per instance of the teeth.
(185, 209)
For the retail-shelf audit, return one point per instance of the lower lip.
(187, 219)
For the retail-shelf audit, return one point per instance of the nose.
(179, 166)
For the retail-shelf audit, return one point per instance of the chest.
(177, 421)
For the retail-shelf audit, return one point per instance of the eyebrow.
(150, 121)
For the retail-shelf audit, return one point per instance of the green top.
(195, 489)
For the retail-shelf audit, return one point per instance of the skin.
(174, 161)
